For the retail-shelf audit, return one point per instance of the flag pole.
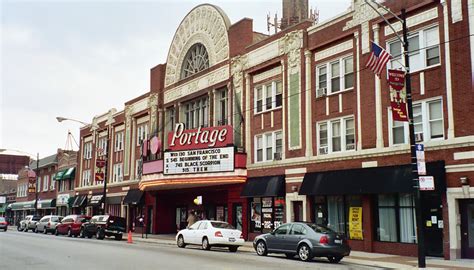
(415, 176)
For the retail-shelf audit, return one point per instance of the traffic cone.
(129, 240)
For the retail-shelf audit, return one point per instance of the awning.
(59, 175)
(134, 196)
(95, 200)
(3, 208)
(47, 204)
(19, 206)
(268, 186)
(79, 201)
(114, 200)
(70, 173)
(390, 179)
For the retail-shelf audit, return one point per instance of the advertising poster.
(355, 223)
(398, 95)
(256, 214)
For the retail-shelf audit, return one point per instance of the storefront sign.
(200, 138)
(62, 199)
(426, 182)
(398, 95)
(31, 187)
(355, 223)
(199, 161)
(420, 159)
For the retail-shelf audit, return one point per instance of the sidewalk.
(356, 257)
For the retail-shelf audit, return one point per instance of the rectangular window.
(142, 133)
(427, 120)
(53, 182)
(45, 182)
(350, 134)
(336, 135)
(323, 138)
(268, 96)
(170, 112)
(86, 177)
(348, 72)
(322, 77)
(396, 218)
(118, 173)
(119, 141)
(423, 48)
(102, 146)
(222, 107)
(335, 77)
(88, 150)
(197, 113)
(341, 73)
(269, 146)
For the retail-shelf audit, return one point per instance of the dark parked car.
(29, 223)
(104, 225)
(3, 224)
(71, 225)
(48, 224)
(306, 240)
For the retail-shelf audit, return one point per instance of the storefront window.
(256, 215)
(266, 214)
(336, 213)
(396, 218)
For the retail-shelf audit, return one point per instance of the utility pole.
(414, 166)
(36, 186)
(106, 173)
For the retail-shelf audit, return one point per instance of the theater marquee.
(199, 161)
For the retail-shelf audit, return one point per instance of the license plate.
(338, 241)
(231, 239)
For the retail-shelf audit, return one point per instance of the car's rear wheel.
(233, 249)
(180, 242)
(81, 233)
(25, 229)
(99, 234)
(118, 237)
(69, 232)
(18, 228)
(304, 252)
(205, 244)
(334, 259)
(261, 248)
(56, 232)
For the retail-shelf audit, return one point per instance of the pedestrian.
(191, 218)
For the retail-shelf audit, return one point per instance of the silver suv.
(29, 223)
(48, 224)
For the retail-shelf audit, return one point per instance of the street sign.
(426, 183)
(420, 159)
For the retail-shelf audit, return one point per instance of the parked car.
(71, 225)
(29, 223)
(210, 233)
(306, 240)
(48, 224)
(3, 224)
(104, 225)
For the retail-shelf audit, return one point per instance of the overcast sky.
(78, 59)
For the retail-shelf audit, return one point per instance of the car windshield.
(36, 218)
(320, 229)
(2, 219)
(221, 225)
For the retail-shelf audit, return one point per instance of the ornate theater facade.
(259, 130)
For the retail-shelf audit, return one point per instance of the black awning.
(390, 179)
(114, 200)
(268, 186)
(95, 200)
(79, 201)
(134, 196)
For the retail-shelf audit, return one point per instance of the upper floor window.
(195, 61)
(102, 146)
(222, 98)
(53, 182)
(45, 182)
(427, 121)
(119, 141)
(269, 146)
(86, 178)
(423, 49)
(118, 173)
(196, 113)
(268, 96)
(336, 135)
(340, 74)
(171, 118)
(142, 133)
(88, 150)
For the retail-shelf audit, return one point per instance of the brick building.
(271, 129)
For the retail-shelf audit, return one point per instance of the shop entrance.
(466, 208)
(297, 211)
(237, 216)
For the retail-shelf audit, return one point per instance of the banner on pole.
(398, 95)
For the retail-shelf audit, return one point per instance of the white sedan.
(210, 233)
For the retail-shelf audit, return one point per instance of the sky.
(78, 59)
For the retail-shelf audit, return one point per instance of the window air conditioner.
(277, 156)
(321, 92)
(323, 150)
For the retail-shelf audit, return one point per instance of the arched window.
(196, 60)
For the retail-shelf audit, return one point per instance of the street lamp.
(60, 119)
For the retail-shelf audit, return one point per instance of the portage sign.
(210, 137)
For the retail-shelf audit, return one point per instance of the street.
(19, 250)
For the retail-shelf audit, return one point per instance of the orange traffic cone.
(129, 240)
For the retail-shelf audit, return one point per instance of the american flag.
(378, 59)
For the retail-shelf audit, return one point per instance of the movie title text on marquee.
(199, 161)
(200, 138)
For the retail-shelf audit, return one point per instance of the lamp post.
(60, 119)
(36, 186)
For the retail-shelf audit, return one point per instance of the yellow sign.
(355, 223)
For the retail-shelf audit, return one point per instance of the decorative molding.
(205, 24)
(369, 164)
(295, 171)
(291, 45)
(424, 16)
(237, 66)
(341, 47)
(459, 168)
(456, 11)
(463, 155)
(202, 82)
(264, 53)
(266, 74)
